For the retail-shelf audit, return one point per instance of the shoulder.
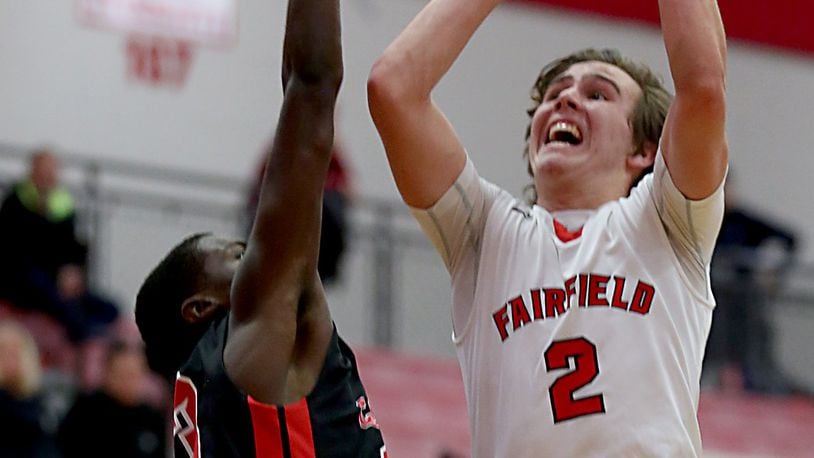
(508, 215)
(11, 197)
(60, 204)
(206, 358)
(339, 359)
(339, 380)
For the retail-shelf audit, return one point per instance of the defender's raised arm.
(276, 283)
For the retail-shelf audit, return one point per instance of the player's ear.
(644, 157)
(198, 308)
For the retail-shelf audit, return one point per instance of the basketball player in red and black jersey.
(244, 329)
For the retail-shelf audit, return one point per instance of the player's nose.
(566, 99)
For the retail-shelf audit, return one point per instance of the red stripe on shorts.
(300, 436)
(266, 424)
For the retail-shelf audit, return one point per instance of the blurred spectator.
(21, 412)
(44, 263)
(335, 202)
(115, 420)
(750, 258)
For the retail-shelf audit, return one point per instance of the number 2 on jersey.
(586, 368)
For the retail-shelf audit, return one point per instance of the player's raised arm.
(275, 284)
(694, 142)
(424, 152)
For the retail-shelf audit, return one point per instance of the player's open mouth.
(565, 133)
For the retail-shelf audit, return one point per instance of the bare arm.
(694, 142)
(276, 287)
(424, 152)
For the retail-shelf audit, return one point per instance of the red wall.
(779, 23)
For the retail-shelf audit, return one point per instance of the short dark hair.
(648, 117)
(168, 338)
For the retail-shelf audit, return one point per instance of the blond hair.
(30, 378)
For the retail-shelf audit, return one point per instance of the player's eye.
(597, 95)
(551, 95)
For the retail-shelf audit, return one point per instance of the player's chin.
(551, 164)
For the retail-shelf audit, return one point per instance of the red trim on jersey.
(185, 415)
(268, 442)
(300, 436)
(564, 234)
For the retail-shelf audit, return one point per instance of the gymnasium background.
(158, 154)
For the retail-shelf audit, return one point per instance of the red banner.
(779, 23)
(158, 61)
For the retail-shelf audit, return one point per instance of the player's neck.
(563, 203)
(575, 195)
(572, 220)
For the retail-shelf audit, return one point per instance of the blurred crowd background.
(114, 146)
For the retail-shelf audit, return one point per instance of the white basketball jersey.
(584, 343)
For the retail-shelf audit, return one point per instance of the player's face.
(125, 377)
(582, 129)
(45, 172)
(222, 259)
(11, 357)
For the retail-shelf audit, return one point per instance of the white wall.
(66, 85)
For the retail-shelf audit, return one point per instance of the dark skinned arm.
(279, 323)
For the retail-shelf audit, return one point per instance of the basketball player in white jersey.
(579, 321)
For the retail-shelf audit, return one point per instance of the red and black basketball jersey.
(214, 419)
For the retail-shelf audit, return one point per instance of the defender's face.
(222, 258)
(582, 129)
